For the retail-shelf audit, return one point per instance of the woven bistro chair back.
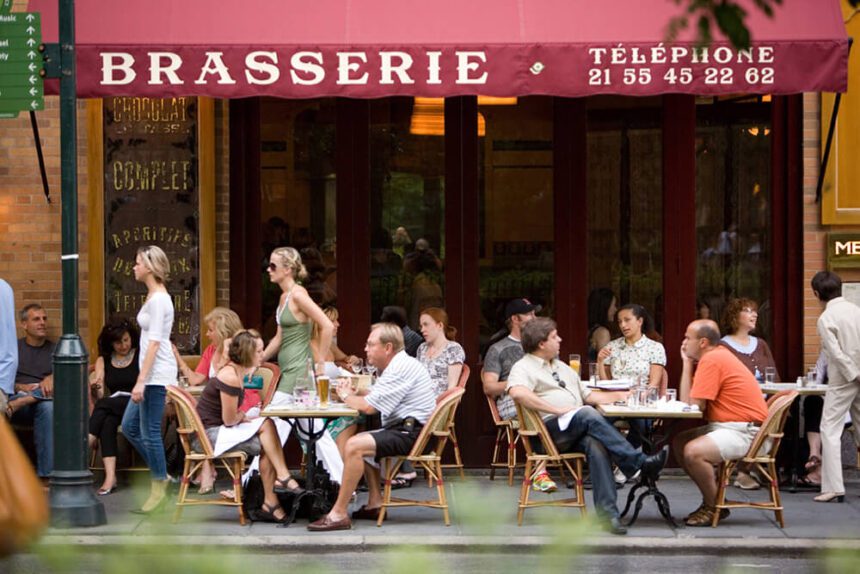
(198, 449)
(532, 428)
(762, 456)
(425, 454)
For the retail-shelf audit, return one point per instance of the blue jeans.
(41, 416)
(593, 435)
(141, 425)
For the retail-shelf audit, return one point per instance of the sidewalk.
(483, 517)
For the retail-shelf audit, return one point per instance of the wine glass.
(371, 370)
(357, 365)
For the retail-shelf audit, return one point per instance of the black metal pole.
(73, 502)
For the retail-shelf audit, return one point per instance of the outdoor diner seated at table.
(541, 382)
(728, 394)
(218, 408)
(403, 394)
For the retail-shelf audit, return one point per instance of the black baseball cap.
(520, 307)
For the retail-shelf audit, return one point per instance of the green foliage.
(727, 15)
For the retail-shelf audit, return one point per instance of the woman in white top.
(141, 423)
(633, 356)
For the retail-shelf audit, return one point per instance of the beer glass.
(323, 391)
(575, 363)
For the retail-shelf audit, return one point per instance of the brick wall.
(814, 234)
(29, 225)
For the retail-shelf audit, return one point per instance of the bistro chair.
(761, 456)
(458, 460)
(506, 429)
(533, 427)
(199, 451)
(439, 427)
(271, 375)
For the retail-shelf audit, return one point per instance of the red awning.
(374, 48)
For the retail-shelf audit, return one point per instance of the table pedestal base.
(650, 486)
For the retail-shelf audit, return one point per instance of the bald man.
(729, 396)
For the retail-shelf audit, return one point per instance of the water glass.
(633, 398)
(575, 363)
(653, 395)
(183, 382)
(592, 373)
(300, 390)
(671, 395)
(770, 375)
(357, 366)
(811, 376)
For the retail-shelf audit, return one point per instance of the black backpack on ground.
(311, 504)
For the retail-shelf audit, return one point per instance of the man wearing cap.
(498, 361)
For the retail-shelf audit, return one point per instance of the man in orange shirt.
(729, 396)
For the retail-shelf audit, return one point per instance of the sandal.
(806, 481)
(813, 463)
(704, 516)
(281, 486)
(267, 514)
(399, 482)
(229, 494)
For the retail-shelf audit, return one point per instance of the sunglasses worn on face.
(558, 380)
(272, 266)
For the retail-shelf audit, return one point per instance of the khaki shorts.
(732, 439)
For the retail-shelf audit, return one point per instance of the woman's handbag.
(23, 503)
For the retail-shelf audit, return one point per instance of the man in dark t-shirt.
(33, 402)
(502, 355)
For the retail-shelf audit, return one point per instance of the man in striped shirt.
(403, 395)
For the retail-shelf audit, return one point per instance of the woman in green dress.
(295, 314)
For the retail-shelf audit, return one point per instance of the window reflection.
(733, 208)
(516, 195)
(297, 181)
(625, 204)
(407, 191)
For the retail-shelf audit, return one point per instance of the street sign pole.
(73, 502)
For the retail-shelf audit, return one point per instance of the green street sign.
(21, 86)
(8, 115)
(19, 55)
(21, 104)
(20, 92)
(21, 23)
(5, 7)
(19, 43)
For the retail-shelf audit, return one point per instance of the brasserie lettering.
(306, 68)
(163, 175)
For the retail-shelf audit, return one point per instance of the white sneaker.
(620, 477)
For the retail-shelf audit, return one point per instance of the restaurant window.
(516, 207)
(407, 205)
(625, 203)
(733, 140)
(297, 180)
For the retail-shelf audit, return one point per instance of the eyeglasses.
(272, 266)
(558, 380)
(750, 310)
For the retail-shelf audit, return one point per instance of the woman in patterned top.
(633, 356)
(440, 354)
